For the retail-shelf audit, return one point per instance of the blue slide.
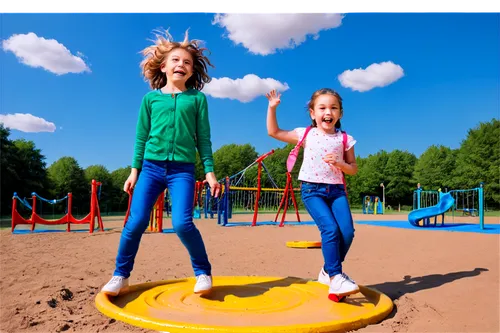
(424, 214)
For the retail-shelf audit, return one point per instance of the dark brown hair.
(325, 91)
(156, 54)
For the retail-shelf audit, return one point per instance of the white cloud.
(49, 54)
(375, 75)
(243, 90)
(265, 33)
(26, 122)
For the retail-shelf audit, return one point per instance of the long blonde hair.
(156, 54)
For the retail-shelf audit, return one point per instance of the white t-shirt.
(316, 145)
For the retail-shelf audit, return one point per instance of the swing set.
(239, 196)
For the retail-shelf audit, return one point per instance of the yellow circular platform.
(244, 304)
(303, 244)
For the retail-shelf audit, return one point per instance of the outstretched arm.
(272, 123)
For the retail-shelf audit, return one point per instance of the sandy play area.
(440, 281)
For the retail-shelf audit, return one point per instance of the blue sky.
(435, 76)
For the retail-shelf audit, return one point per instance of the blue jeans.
(154, 177)
(328, 206)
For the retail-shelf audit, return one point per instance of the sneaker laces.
(346, 277)
(203, 278)
(117, 279)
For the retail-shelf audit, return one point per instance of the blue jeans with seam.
(328, 206)
(154, 177)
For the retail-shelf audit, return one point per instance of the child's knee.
(328, 229)
(348, 235)
(136, 225)
(183, 227)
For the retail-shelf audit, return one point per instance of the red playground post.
(284, 201)
(259, 172)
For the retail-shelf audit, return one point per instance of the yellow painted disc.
(303, 244)
(241, 304)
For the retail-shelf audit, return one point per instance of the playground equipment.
(240, 304)
(422, 199)
(289, 192)
(429, 204)
(237, 196)
(304, 244)
(421, 217)
(198, 195)
(156, 215)
(372, 205)
(241, 194)
(67, 219)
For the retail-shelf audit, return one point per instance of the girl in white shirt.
(328, 154)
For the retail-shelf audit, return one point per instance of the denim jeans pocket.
(308, 189)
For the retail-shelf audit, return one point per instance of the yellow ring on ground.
(240, 304)
(303, 244)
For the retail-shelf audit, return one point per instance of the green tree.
(232, 158)
(31, 167)
(371, 173)
(354, 185)
(100, 174)
(67, 176)
(119, 197)
(199, 170)
(434, 167)
(478, 160)
(399, 175)
(23, 169)
(9, 177)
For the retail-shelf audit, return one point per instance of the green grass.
(494, 213)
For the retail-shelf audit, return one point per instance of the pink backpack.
(292, 157)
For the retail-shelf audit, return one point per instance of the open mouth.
(327, 120)
(180, 72)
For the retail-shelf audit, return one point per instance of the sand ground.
(439, 281)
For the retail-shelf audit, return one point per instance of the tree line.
(24, 170)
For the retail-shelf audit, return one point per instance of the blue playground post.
(424, 199)
(223, 205)
(419, 191)
(481, 205)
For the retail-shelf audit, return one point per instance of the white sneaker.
(115, 286)
(323, 277)
(203, 284)
(342, 285)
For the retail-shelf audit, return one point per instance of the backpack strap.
(308, 128)
(344, 143)
(294, 153)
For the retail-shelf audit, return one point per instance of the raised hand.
(274, 98)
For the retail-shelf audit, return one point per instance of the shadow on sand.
(409, 285)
